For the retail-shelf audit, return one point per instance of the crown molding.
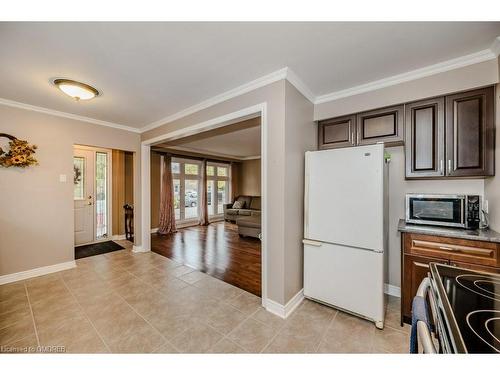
(240, 90)
(300, 85)
(430, 70)
(47, 111)
(495, 46)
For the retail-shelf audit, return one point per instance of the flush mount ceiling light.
(77, 90)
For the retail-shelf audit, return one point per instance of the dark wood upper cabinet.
(470, 133)
(448, 136)
(380, 125)
(337, 132)
(424, 138)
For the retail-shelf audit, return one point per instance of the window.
(187, 188)
(78, 177)
(191, 168)
(218, 193)
(101, 199)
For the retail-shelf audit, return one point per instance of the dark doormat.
(96, 249)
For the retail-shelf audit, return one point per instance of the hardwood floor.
(217, 250)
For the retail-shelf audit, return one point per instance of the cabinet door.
(336, 132)
(470, 138)
(424, 138)
(415, 269)
(380, 125)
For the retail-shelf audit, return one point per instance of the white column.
(145, 200)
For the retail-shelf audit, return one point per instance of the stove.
(467, 305)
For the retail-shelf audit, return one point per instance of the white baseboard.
(284, 311)
(154, 230)
(18, 276)
(392, 290)
(118, 237)
(139, 249)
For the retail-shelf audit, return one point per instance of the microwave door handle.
(464, 211)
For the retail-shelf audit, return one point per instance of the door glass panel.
(222, 194)
(222, 171)
(78, 177)
(191, 168)
(439, 210)
(177, 199)
(191, 199)
(210, 198)
(101, 199)
(210, 170)
(176, 168)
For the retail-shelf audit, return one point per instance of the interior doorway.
(214, 174)
(91, 194)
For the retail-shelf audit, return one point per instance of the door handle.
(312, 243)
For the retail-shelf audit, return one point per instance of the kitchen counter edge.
(487, 235)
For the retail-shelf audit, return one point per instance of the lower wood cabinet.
(418, 250)
(415, 269)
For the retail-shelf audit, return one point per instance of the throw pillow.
(238, 204)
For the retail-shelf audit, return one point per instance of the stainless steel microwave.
(451, 210)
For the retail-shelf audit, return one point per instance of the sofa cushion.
(232, 211)
(245, 212)
(246, 199)
(255, 204)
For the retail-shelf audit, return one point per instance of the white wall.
(398, 187)
(300, 136)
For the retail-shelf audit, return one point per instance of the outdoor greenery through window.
(187, 188)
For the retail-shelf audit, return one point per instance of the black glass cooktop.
(474, 300)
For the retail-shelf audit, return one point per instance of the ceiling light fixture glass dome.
(76, 90)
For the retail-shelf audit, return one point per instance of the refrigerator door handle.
(312, 243)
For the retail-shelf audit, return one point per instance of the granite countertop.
(478, 235)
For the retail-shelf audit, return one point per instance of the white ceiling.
(147, 71)
(240, 141)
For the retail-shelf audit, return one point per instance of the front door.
(92, 169)
(84, 172)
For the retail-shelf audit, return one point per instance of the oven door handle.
(423, 333)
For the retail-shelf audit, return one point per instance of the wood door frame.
(109, 190)
(218, 122)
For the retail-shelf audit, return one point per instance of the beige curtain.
(203, 196)
(167, 213)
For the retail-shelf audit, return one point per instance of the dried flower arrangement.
(20, 153)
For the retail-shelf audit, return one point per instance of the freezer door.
(344, 196)
(348, 278)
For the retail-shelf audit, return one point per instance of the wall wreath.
(19, 154)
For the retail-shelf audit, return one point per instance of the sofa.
(247, 217)
(250, 206)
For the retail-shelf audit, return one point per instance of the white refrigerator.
(345, 229)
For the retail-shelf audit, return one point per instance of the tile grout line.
(287, 320)
(330, 323)
(32, 315)
(223, 335)
(140, 315)
(86, 316)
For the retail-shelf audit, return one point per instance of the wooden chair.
(129, 222)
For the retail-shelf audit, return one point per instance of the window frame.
(182, 177)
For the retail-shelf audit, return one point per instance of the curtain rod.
(195, 157)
